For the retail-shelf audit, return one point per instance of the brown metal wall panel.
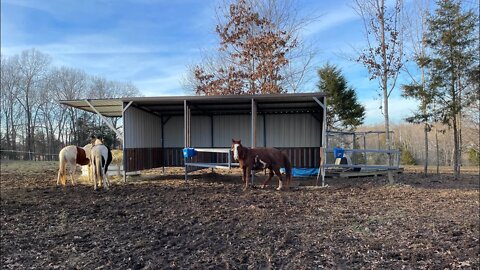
(143, 158)
(147, 158)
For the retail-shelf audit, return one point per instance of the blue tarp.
(303, 172)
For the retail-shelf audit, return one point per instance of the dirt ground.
(161, 222)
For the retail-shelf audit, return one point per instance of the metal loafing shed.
(156, 129)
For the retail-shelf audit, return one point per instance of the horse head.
(93, 138)
(96, 140)
(235, 145)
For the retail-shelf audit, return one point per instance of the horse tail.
(61, 168)
(98, 166)
(288, 169)
(104, 176)
(109, 159)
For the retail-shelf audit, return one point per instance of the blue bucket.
(338, 152)
(189, 152)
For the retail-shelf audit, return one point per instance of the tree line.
(33, 123)
(261, 52)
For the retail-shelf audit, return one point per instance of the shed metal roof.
(226, 104)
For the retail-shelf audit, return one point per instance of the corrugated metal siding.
(228, 127)
(201, 131)
(292, 130)
(225, 127)
(282, 130)
(173, 131)
(143, 158)
(142, 129)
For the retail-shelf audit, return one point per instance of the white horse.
(100, 158)
(71, 155)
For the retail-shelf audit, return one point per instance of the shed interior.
(156, 129)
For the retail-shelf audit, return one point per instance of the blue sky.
(152, 42)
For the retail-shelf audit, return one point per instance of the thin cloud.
(330, 20)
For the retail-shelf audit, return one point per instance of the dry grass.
(443, 169)
(21, 166)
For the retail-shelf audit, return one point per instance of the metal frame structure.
(167, 107)
(394, 152)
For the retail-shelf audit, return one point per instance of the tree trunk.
(437, 150)
(456, 164)
(424, 109)
(387, 135)
(29, 135)
(425, 166)
(385, 91)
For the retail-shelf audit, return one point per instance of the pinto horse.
(262, 158)
(71, 155)
(100, 159)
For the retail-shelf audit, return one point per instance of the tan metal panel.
(292, 130)
(142, 129)
(201, 131)
(228, 127)
(173, 132)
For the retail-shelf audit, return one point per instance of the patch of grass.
(20, 166)
(443, 169)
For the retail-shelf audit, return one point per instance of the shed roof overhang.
(204, 105)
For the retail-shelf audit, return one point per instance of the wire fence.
(26, 155)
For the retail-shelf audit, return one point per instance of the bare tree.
(259, 50)
(70, 84)
(32, 66)
(383, 55)
(419, 89)
(30, 116)
(9, 105)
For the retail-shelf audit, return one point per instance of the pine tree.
(343, 110)
(453, 41)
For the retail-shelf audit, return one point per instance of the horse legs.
(72, 172)
(280, 180)
(245, 177)
(270, 175)
(90, 175)
(62, 172)
(93, 175)
(105, 180)
(59, 177)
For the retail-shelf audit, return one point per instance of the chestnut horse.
(71, 155)
(262, 158)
